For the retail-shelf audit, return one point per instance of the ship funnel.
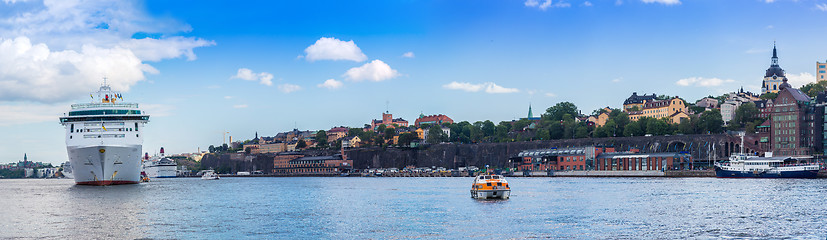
(162, 151)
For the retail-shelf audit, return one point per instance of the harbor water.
(405, 208)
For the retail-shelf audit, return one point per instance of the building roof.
(637, 99)
(798, 94)
(774, 68)
(638, 155)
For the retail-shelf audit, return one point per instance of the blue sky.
(242, 67)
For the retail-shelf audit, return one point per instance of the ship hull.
(106, 165)
(721, 173)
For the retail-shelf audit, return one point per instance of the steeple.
(25, 157)
(774, 56)
(530, 115)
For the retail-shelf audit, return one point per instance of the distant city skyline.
(203, 69)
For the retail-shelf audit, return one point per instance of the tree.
(321, 139)
(354, 132)
(405, 139)
(687, 126)
(382, 128)
(434, 134)
(389, 133)
(212, 149)
(657, 127)
(746, 113)
(556, 112)
(581, 132)
(488, 128)
(633, 129)
(813, 89)
(301, 144)
(767, 96)
(711, 122)
(248, 150)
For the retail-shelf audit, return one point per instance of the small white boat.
(490, 186)
(210, 175)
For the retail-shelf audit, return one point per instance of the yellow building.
(659, 109)
(637, 101)
(420, 133)
(678, 117)
(602, 118)
(821, 71)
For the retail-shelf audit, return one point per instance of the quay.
(667, 174)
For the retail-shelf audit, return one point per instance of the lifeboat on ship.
(490, 186)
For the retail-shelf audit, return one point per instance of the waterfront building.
(434, 119)
(764, 108)
(733, 101)
(388, 121)
(821, 71)
(281, 162)
(629, 161)
(774, 75)
(660, 109)
(560, 159)
(792, 122)
(332, 165)
(272, 147)
(637, 101)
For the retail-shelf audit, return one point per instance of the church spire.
(25, 157)
(530, 115)
(774, 55)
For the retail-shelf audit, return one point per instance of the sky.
(204, 68)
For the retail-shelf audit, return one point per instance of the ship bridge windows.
(104, 136)
(107, 118)
(104, 112)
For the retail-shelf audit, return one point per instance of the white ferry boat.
(104, 140)
(210, 175)
(160, 167)
(67, 170)
(744, 166)
(490, 186)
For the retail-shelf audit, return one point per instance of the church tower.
(774, 75)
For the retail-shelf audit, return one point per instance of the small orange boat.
(490, 187)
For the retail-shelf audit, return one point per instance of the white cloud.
(756, 50)
(801, 79)
(821, 6)
(770, 26)
(240, 106)
(330, 84)
(61, 50)
(617, 80)
(489, 87)
(228, 97)
(702, 82)
(264, 78)
(618, 2)
(288, 88)
(769, 1)
(375, 70)
(551, 95)
(545, 4)
(587, 4)
(334, 49)
(665, 2)
(27, 113)
(408, 55)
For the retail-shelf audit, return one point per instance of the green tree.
(746, 113)
(657, 127)
(766, 96)
(434, 134)
(321, 139)
(212, 149)
(556, 112)
(381, 128)
(406, 138)
(633, 129)
(354, 132)
(389, 133)
(248, 150)
(813, 89)
(488, 128)
(711, 122)
(581, 132)
(687, 126)
(301, 144)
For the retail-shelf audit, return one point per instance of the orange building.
(659, 109)
(388, 121)
(336, 133)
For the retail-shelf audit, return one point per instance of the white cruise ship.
(160, 166)
(104, 140)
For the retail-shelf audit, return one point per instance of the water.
(405, 208)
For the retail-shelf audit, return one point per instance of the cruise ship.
(744, 166)
(160, 166)
(104, 140)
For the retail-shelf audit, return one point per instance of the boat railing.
(99, 105)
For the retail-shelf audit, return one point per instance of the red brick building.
(574, 158)
(627, 161)
(388, 121)
(432, 119)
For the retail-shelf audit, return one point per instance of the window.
(822, 66)
(821, 71)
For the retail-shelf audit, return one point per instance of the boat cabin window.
(136, 126)
(72, 128)
(496, 177)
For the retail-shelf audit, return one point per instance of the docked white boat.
(210, 175)
(160, 167)
(104, 140)
(743, 166)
